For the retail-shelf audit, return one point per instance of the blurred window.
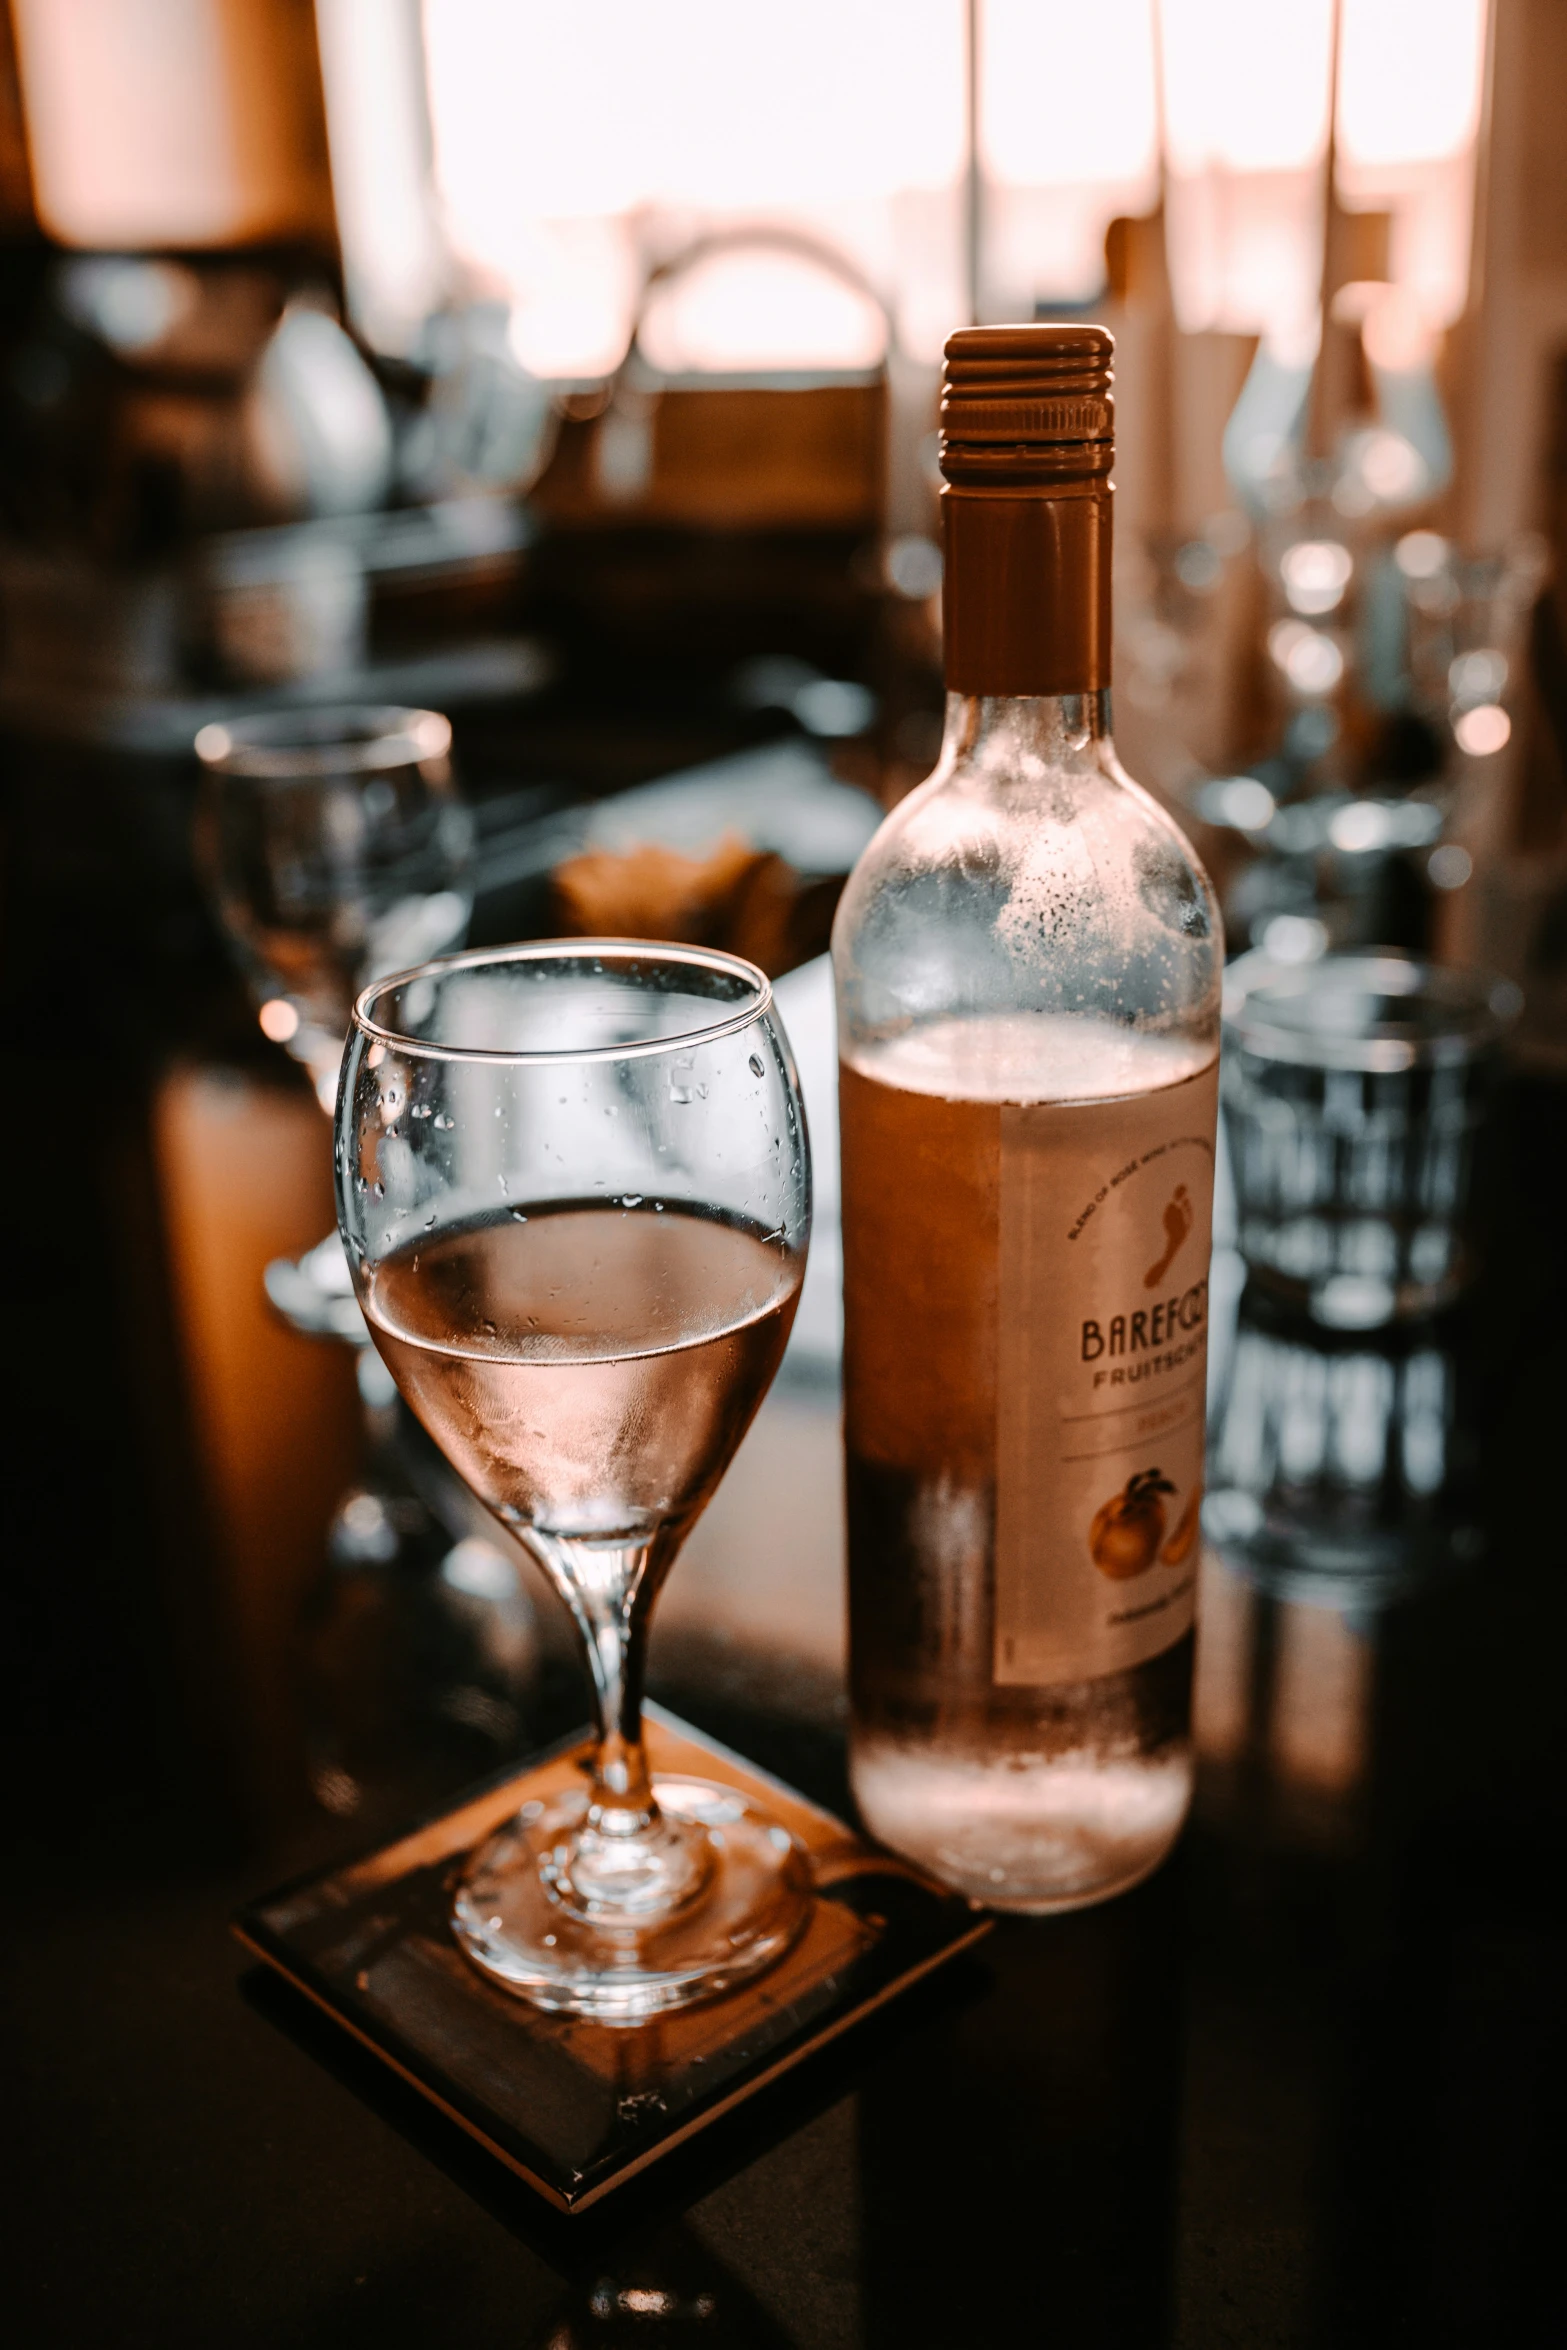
(1410, 80)
(1246, 110)
(1069, 139)
(1247, 99)
(577, 149)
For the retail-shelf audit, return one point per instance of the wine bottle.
(1028, 961)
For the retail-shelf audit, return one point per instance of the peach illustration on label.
(1180, 1543)
(1179, 1217)
(1126, 1533)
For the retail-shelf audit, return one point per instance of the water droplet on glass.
(429, 1223)
(446, 1124)
(501, 1180)
(755, 1065)
(631, 1199)
(519, 1215)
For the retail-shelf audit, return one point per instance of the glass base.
(750, 1899)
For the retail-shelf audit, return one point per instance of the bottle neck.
(1026, 596)
(1014, 732)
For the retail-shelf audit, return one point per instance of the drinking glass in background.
(1343, 1465)
(574, 1188)
(1354, 1088)
(335, 848)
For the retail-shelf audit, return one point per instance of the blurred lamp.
(169, 122)
(1315, 573)
(1310, 659)
(1483, 731)
(1422, 555)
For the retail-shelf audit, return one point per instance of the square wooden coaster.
(575, 2107)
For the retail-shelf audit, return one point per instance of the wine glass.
(574, 1189)
(335, 848)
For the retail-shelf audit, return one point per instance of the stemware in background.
(335, 848)
(574, 1188)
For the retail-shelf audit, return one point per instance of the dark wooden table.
(1304, 2087)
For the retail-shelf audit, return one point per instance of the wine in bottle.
(1028, 961)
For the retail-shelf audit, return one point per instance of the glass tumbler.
(1342, 1465)
(1354, 1088)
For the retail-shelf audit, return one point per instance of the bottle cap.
(1027, 443)
(1028, 403)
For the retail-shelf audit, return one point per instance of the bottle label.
(1106, 1229)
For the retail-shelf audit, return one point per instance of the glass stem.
(607, 1588)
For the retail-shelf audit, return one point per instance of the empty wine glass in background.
(574, 1189)
(335, 848)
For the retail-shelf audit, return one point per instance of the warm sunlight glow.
(1411, 78)
(1246, 112)
(550, 112)
(761, 312)
(1067, 93)
(1246, 87)
(573, 147)
(1069, 138)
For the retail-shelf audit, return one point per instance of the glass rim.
(385, 734)
(564, 950)
(1480, 1007)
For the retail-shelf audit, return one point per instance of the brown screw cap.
(1028, 402)
(1027, 442)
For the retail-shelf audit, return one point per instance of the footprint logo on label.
(1179, 1217)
